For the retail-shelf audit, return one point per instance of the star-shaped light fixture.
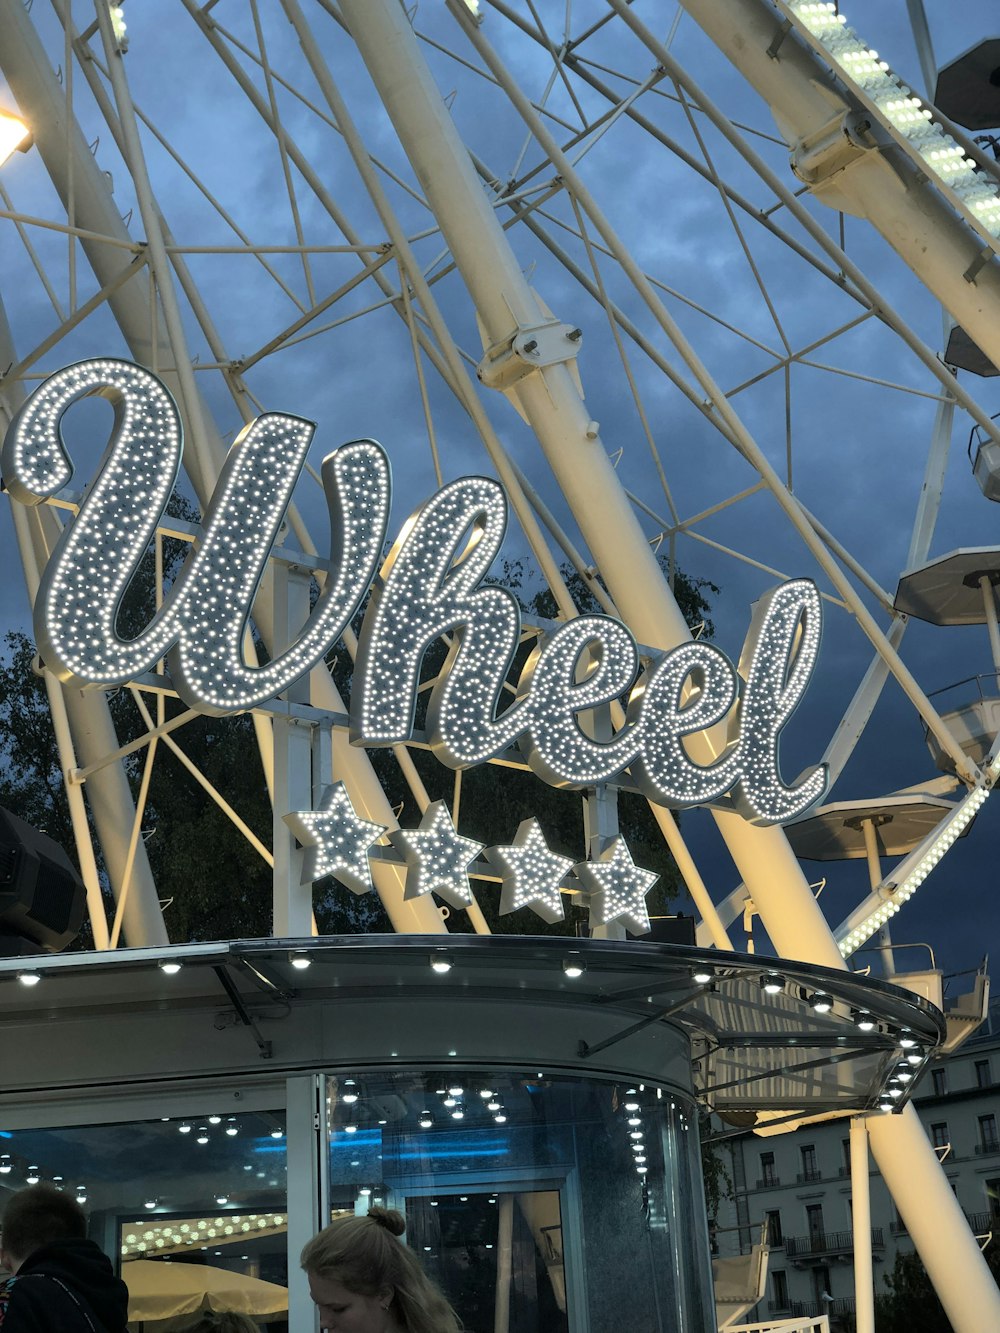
(437, 857)
(618, 887)
(336, 840)
(532, 874)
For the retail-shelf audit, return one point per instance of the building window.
(814, 1220)
(988, 1133)
(774, 1236)
(983, 1079)
(810, 1171)
(939, 1134)
(768, 1176)
(845, 1147)
(939, 1081)
(779, 1286)
(993, 1198)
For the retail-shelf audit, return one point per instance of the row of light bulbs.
(441, 962)
(232, 1128)
(945, 157)
(169, 966)
(911, 1052)
(633, 1107)
(198, 1232)
(773, 983)
(453, 1099)
(33, 1175)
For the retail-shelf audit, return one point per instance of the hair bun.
(394, 1222)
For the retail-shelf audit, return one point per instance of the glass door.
(497, 1252)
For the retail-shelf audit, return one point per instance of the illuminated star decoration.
(532, 874)
(336, 840)
(618, 888)
(437, 857)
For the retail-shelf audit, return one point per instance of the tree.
(31, 782)
(911, 1304)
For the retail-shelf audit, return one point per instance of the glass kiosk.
(532, 1110)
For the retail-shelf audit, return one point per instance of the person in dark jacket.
(62, 1282)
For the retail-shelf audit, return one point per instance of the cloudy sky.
(854, 426)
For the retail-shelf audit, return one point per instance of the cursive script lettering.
(430, 586)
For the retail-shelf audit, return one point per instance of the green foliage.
(714, 1166)
(520, 577)
(911, 1304)
(31, 783)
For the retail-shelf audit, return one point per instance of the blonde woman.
(365, 1280)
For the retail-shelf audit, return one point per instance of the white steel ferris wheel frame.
(159, 307)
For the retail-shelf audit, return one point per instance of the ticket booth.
(530, 1104)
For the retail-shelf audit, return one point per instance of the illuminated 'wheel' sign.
(430, 584)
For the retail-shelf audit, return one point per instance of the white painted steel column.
(67, 754)
(861, 1220)
(307, 1203)
(293, 786)
(505, 1234)
(558, 415)
(75, 717)
(933, 1217)
(883, 186)
(990, 612)
(574, 451)
(25, 532)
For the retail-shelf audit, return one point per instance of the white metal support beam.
(861, 1221)
(884, 184)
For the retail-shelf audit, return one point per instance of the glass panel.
(539, 1203)
(501, 1250)
(205, 1194)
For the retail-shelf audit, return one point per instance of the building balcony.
(981, 1223)
(805, 1177)
(768, 1182)
(827, 1243)
(787, 1309)
(843, 1306)
(988, 1149)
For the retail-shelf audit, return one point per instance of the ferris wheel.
(559, 246)
(755, 374)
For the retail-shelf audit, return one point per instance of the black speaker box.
(670, 930)
(42, 898)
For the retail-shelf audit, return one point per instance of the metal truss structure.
(391, 221)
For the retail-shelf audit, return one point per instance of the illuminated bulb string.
(907, 114)
(876, 910)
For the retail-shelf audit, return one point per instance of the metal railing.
(794, 1324)
(981, 1223)
(828, 1242)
